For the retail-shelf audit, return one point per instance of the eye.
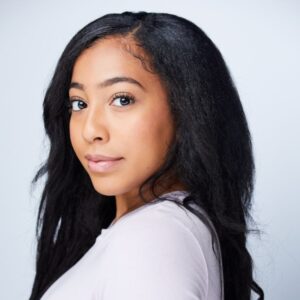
(123, 98)
(76, 104)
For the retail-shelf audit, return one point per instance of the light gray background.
(260, 43)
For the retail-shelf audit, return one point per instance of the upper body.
(126, 116)
(157, 251)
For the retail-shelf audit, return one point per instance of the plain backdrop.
(259, 41)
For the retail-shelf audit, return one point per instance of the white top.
(157, 251)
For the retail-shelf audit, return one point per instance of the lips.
(100, 163)
(98, 157)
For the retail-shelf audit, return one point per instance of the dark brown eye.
(77, 105)
(124, 99)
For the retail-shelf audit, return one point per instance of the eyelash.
(116, 96)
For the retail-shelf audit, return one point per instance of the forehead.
(110, 56)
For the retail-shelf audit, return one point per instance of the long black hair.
(212, 153)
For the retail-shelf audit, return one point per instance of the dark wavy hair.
(212, 152)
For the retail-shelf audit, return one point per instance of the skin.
(139, 131)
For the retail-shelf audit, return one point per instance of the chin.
(104, 187)
(113, 187)
(105, 191)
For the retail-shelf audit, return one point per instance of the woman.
(143, 119)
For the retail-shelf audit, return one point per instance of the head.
(120, 109)
(179, 119)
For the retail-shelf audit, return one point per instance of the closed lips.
(97, 158)
(97, 164)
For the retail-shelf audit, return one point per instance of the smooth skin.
(138, 130)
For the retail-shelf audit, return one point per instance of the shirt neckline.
(177, 194)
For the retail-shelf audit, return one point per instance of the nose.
(95, 126)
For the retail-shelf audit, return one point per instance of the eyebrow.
(108, 82)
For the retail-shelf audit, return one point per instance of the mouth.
(103, 165)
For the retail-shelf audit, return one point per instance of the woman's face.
(118, 118)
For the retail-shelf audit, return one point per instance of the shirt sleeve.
(158, 259)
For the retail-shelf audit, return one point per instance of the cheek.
(74, 137)
(148, 138)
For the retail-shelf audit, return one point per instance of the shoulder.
(158, 222)
(163, 220)
(159, 251)
(162, 223)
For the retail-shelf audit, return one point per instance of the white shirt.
(155, 252)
